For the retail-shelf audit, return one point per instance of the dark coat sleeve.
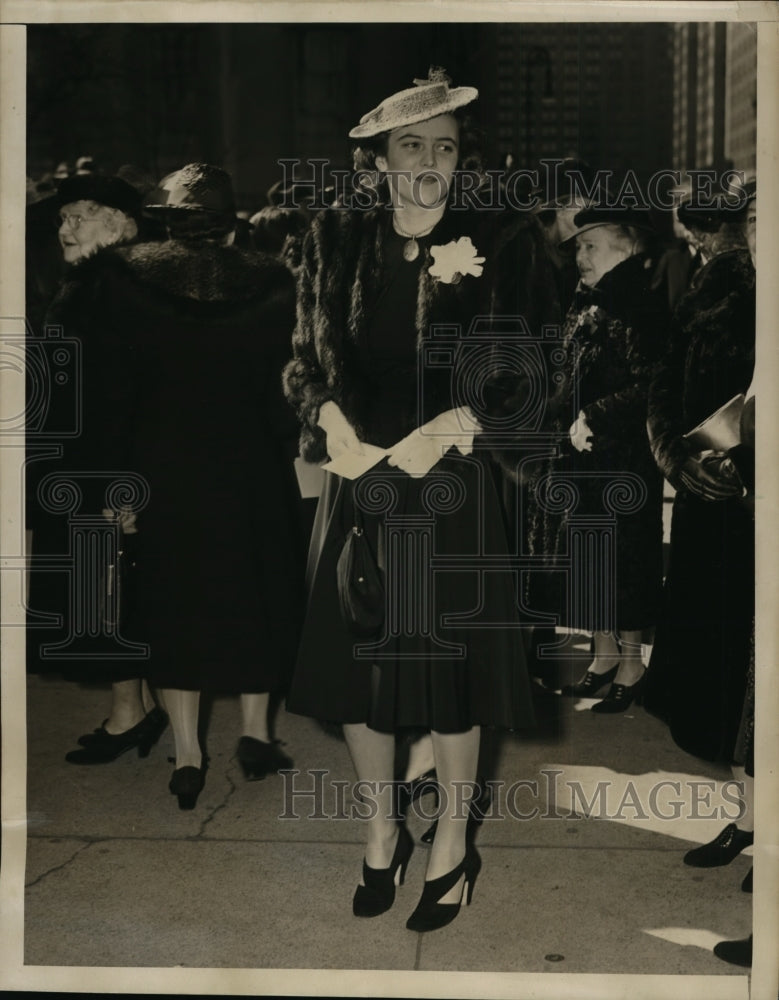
(665, 414)
(105, 381)
(644, 321)
(304, 379)
(278, 324)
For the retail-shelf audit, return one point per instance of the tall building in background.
(638, 96)
(741, 96)
(715, 87)
(601, 92)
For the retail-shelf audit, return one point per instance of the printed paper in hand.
(352, 466)
(310, 478)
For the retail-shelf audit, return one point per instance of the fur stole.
(340, 278)
(179, 277)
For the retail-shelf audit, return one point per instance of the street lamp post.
(534, 56)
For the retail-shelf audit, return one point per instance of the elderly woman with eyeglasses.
(615, 333)
(95, 212)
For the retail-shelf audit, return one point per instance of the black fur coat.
(697, 674)
(183, 345)
(711, 356)
(340, 279)
(615, 335)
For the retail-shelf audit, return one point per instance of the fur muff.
(340, 278)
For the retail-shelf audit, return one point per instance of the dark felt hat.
(195, 188)
(109, 191)
(557, 190)
(595, 216)
(710, 214)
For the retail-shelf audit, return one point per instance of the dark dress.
(698, 671)
(448, 658)
(193, 339)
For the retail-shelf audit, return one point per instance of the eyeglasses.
(72, 219)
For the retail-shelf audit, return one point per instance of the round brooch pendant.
(411, 250)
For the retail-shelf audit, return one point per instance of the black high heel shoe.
(409, 791)
(101, 747)
(430, 914)
(726, 845)
(377, 894)
(590, 684)
(621, 697)
(258, 759)
(187, 783)
(479, 807)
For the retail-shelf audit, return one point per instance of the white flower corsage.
(455, 260)
(589, 317)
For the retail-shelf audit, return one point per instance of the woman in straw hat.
(379, 290)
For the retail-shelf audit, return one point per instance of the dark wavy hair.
(471, 153)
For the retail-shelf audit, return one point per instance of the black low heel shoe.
(258, 759)
(187, 783)
(621, 697)
(430, 914)
(590, 684)
(101, 747)
(478, 810)
(377, 894)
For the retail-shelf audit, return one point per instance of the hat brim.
(158, 209)
(456, 98)
(567, 244)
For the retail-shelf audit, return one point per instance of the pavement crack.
(58, 868)
(222, 805)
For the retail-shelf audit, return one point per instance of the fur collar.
(183, 272)
(204, 272)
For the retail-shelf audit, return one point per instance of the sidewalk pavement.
(117, 875)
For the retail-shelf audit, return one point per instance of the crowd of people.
(215, 349)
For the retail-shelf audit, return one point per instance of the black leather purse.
(361, 592)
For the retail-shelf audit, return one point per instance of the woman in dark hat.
(196, 333)
(614, 333)
(374, 286)
(700, 658)
(95, 213)
(701, 679)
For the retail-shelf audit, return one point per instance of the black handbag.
(360, 580)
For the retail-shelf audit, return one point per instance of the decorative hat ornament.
(426, 99)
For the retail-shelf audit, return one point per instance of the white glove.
(423, 448)
(125, 517)
(580, 433)
(340, 433)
